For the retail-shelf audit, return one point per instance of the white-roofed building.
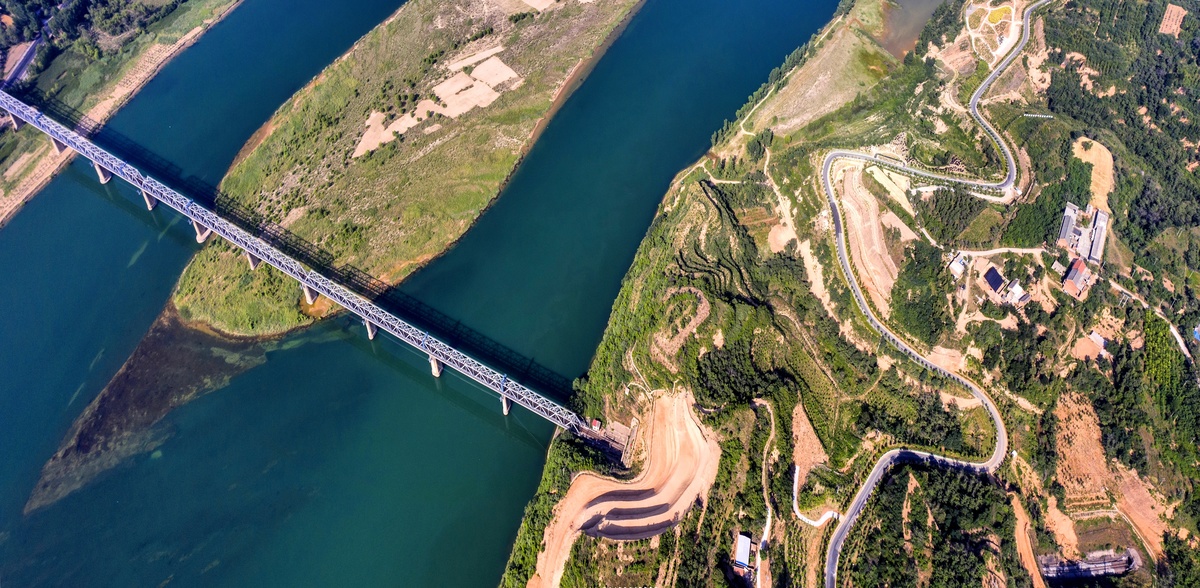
(1099, 233)
(741, 551)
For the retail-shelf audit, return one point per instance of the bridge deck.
(369, 311)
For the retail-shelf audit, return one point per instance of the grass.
(390, 210)
(984, 229)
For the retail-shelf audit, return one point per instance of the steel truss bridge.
(257, 250)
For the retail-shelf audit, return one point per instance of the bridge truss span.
(373, 315)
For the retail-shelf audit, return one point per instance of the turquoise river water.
(342, 461)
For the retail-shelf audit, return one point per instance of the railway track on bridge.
(896, 456)
(258, 250)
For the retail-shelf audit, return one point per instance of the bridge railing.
(283, 250)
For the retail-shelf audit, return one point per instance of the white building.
(742, 551)
(1085, 241)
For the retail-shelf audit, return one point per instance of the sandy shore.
(48, 163)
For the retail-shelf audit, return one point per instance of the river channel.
(341, 461)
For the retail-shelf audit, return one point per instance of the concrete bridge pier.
(151, 201)
(16, 122)
(310, 295)
(105, 175)
(59, 147)
(371, 329)
(505, 404)
(254, 261)
(202, 232)
(435, 366)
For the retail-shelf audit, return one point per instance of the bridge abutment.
(371, 329)
(435, 366)
(16, 122)
(310, 295)
(202, 232)
(254, 261)
(151, 201)
(105, 175)
(59, 147)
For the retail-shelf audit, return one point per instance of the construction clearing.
(680, 465)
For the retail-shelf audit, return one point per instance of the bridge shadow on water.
(517, 366)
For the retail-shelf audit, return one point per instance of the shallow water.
(342, 461)
(904, 23)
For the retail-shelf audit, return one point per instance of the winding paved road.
(907, 455)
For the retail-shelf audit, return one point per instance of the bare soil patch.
(816, 276)
(1102, 169)
(1144, 510)
(1082, 467)
(1063, 529)
(876, 269)
(1038, 54)
(18, 166)
(809, 451)
(680, 466)
(1172, 20)
(457, 95)
(779, 237)
(958, 401)
(892, 221)
(951, 359)
(1085, 348)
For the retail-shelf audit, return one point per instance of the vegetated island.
(401, 143)
(92, 56)
(736, 304)
(390, 154)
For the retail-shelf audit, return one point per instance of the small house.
(1078, 278)
(958, 267)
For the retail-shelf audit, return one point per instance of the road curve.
(908, 455)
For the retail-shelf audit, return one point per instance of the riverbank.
(33, 162)
(755, 328)
(444, 131)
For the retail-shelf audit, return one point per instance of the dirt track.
(680, 466)
(1024, 545)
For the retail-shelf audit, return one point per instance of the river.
(341, 461)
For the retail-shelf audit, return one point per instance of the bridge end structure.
(16, 122)
(371, 329)
(254, 261)
(435, 366)
(151, 201)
